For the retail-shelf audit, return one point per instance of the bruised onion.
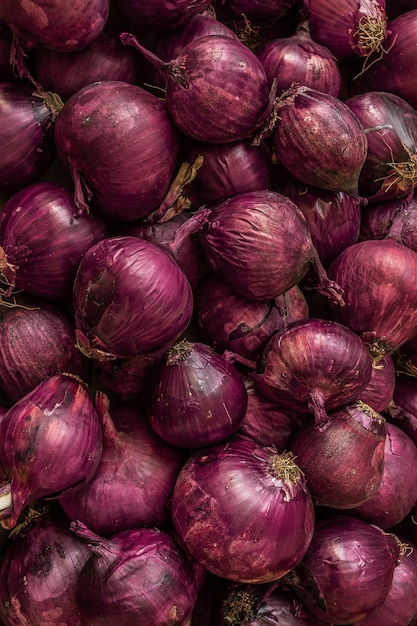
(130, 297)
(312, 366)
(50, 441)
(249, 504)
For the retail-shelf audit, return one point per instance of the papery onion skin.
(378, 393)
(138, 576)
(257, 523)
(130, 298)
(50, 441)
(137, 161)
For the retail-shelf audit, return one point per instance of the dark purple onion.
(50, 441)
(394, 218)
(390, 125)
(159, 15)
(134, 479)
(198, 398)
(312, 366)
(249, 504)
(406, 358)
(343, 463)
(299, 59)
(138, 576)
(319, 140)
(42, 241)
(402, 411)
(378, 393)
(120, 146)
(378, 280)
(347, 570)
(259, 10)
(130, 298)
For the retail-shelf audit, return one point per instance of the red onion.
(343, 463)
(42, 241)
(313, 366)
(130, 297)
(259, 10)
(357, 28)
(134, 479)
(6, 70)
(299, 59)
(390, 124)
(249, 505)
(138, 576)
(50, 441)
(406, 358)
(36, 341)
(319, 140)
(198, 398)
(347, 570)
(159, 15)
(202, 99)
(259, 242)
(39, 571)
(378, 393)
(27, 134)
(378, 281)
(402, 411)
(120, 146)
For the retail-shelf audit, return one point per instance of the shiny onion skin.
(42, 241)
(378, 393)
(347, 570)
(396, 219)
(198, 398)
(120, 146)
(313, 366)
(160, 15)
(259, 242)
(343, 464)
(390, 124)
(50, 441)
(383, 272)
(130, 298)
(39, 571)
(319, 140)
(248, 503)
(138, 576)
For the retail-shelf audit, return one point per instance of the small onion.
(249, 504)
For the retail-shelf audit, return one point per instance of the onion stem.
(238, 608)
(179, 352)
(283, 467)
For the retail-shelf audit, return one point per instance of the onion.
(237, 495)
(120, 146)
(347, 570)
(394, 218)
(378, 393)
(27, 134)
(390, 124)
(138, 576)
(198, 398)
(402, 411)
(39, 570)
(299, 59)
(343, 463)
(36, 341)
(160, 15)
(130, 297)
(206, 104)
(259, 10)
(50, 441)
(259, 242)
(6, 70)
(134, 479)
(382, 272)
(42, 241)
(313, 366)
(406, 358)
(319, 140)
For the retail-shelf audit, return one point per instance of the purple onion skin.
(130, 298)
(378, 280)
(402, 411)
(134, 480)
(394, 218)
(312, 366)
(36, 342)
(38, 574)
(138, 576)
(50, 441)
(343, 464)
(27, 136)
(160, 15)
(233, 496)
(73, 28)
(138, 149)
(43, 240)
(378, 393)
(390, 124)
(406, 358)
(319, 140)
(347, 570)
(258, 11)
(198, 397)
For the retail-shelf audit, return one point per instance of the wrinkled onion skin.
(226, 498)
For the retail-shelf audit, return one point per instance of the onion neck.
(283, 468)
(179, 352)
(238, 608)
(316, 406)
